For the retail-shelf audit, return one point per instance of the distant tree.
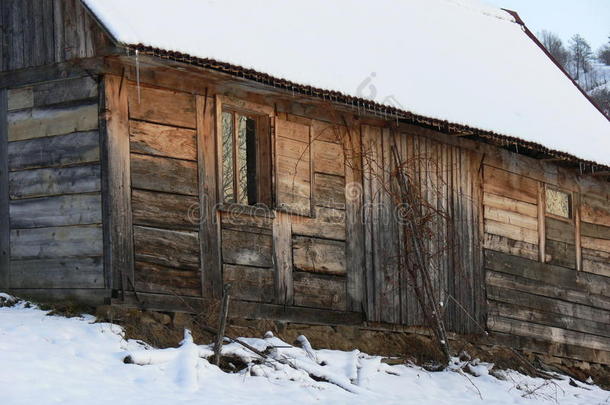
(580, 56)
(603, 55)
(602, 97)
(554, 45)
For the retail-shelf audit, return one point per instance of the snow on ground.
(55, 360)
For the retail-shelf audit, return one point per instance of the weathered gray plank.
(282, 249)
(116, 186)
(58, 30)
(20, 98)
(63, 150)
(250, 283)
(554, 275)
(49, 121)
(515, 311)
(320, 291)
(54, 181)
(560, 254)
(4, 194)
(178, 249)
(319, 255)
(511, 246)
(162, 210)
(77, 209)
(150, 277)
(560, 231)
(63, 91)
(61, 242)
(327, 223)
(164, 174)
(595, 231)
(85, 296)
(247, 249)
(85, 272)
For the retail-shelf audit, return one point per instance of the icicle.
(138, 74)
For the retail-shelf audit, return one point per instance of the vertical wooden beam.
(4, 195)
(116, 183)
(354, 220)
(209, 220)
(58, 30)
(576, 210)
(282, 251)
(541, 221)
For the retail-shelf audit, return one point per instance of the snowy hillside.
(52, 360)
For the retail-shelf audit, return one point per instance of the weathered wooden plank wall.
(445, 178)
(53, 157)
(547, 277)
(44, 32)
(164, 191)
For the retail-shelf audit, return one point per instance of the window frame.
(570, 195)
(263, 116)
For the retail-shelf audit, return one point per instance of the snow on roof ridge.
(483, 8)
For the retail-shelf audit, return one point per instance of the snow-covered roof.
(456, 60)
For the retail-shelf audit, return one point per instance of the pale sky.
(589, 18)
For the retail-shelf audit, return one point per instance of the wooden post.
(4, 196)
(577, 241)
(116, 183)
(209, 223)
(222, 322)
(542, 221)
(282, 250)
(354, 220)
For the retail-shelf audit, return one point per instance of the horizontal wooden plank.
(596, 267)
(602, 245)
(508, 204)
(553, 275)
(511, 231)
(60, 242)
(506, 184)
(595, 231)
(511, 282)
(329, 191)
(319, 291)
(64, 150)
(54, 181)
(246, 248)
(560, 231)
(162, 210)
(560, 254)
(511, 218)
(76, 209)
(86, 272)
(546, 304)
(85, 296)
(164, 174)
(250, 283)
(20, 98)
(51, 121)
(545, 347)
(150, 277)
(515, 311)
(292, 129)
(63, 91)
(521, 328)
(291, 149)
(163, 140)
(595, 210)
(318, 255)
(178, 249)
(329, 158)
(328, 223)
(236, 217)
(510, 246)
(162, 106)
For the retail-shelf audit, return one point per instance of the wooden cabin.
(135, 174)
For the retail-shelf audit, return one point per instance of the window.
(558, 203)
(245, 160)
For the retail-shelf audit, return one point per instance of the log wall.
(548, 285)
(54, 189)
